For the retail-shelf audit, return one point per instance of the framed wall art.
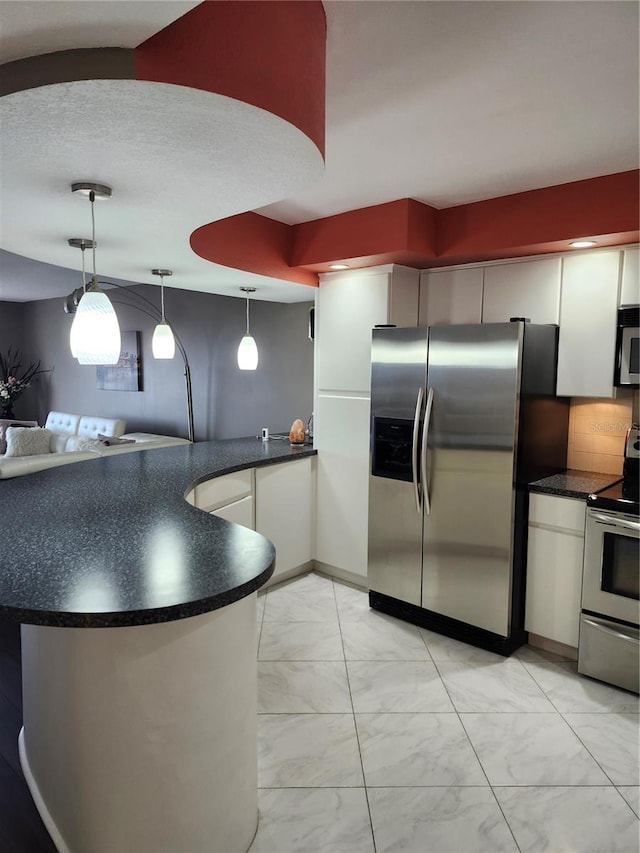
(126, 375)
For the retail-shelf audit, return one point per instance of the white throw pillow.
(81, 442)
(28, 441)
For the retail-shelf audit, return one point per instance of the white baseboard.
(351, 578)
(569, 652)
(320, 568)
(289, 575)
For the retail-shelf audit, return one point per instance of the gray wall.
(227, 402)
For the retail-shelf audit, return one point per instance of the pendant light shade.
(248, 349)
(247, 353)
(95, 331)
(163, 344)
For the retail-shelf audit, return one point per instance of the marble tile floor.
(375, 736)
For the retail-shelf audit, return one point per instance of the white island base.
(143, 739)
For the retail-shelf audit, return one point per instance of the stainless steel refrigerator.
(462, 419)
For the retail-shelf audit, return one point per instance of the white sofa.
(71, 431)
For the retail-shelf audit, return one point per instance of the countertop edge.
(573, 484)
(51, 617)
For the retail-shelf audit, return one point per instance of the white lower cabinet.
(554, 568)
(342, 441)
(240, 512)
(284, 511)
(220, 491)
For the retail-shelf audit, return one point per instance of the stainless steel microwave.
(627, 373)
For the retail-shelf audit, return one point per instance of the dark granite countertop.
(573, 484)
(112, 542)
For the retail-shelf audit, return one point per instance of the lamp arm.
(187, 370)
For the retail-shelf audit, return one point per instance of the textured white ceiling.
(445, 102)
(176, 158)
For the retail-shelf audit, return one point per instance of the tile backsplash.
(597, 432)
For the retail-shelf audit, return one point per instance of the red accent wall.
(264, 52)
(598, 206)
(366, 232)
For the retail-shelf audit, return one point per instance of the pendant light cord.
(84, 273)
(92, 198)
(247, 315)
(162, 297)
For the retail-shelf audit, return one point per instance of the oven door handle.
(616, 522)
(601, 627)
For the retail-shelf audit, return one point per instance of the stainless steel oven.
(609, 646)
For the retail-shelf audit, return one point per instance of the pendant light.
(95, 332)
(247, 351)
(163, 344)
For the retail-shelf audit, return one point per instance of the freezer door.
(398, 373)
(398, 370)
(469, 462)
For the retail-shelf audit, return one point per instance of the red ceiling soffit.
(252, 243)
(416, 235)
(402, 226)
(263, 52)
(543, 220)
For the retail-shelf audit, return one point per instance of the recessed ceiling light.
(582, 244)
(338, 266)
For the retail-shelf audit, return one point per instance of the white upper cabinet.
(588, 314)
(448, 297)
(349, 305)
(527, 289)
(630, 288)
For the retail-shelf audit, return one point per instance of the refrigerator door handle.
(425, 439)
(414, 449)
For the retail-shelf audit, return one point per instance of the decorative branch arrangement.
(13, 380)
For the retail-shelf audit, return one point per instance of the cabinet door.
(451, 296)
(588, 311)
(342, 441)
(630, 289)
(284, 511)
(527, 289)
(220, 491)
(240, 512)
(554, 585)
(349, 306)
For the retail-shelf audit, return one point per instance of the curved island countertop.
(112, 542)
